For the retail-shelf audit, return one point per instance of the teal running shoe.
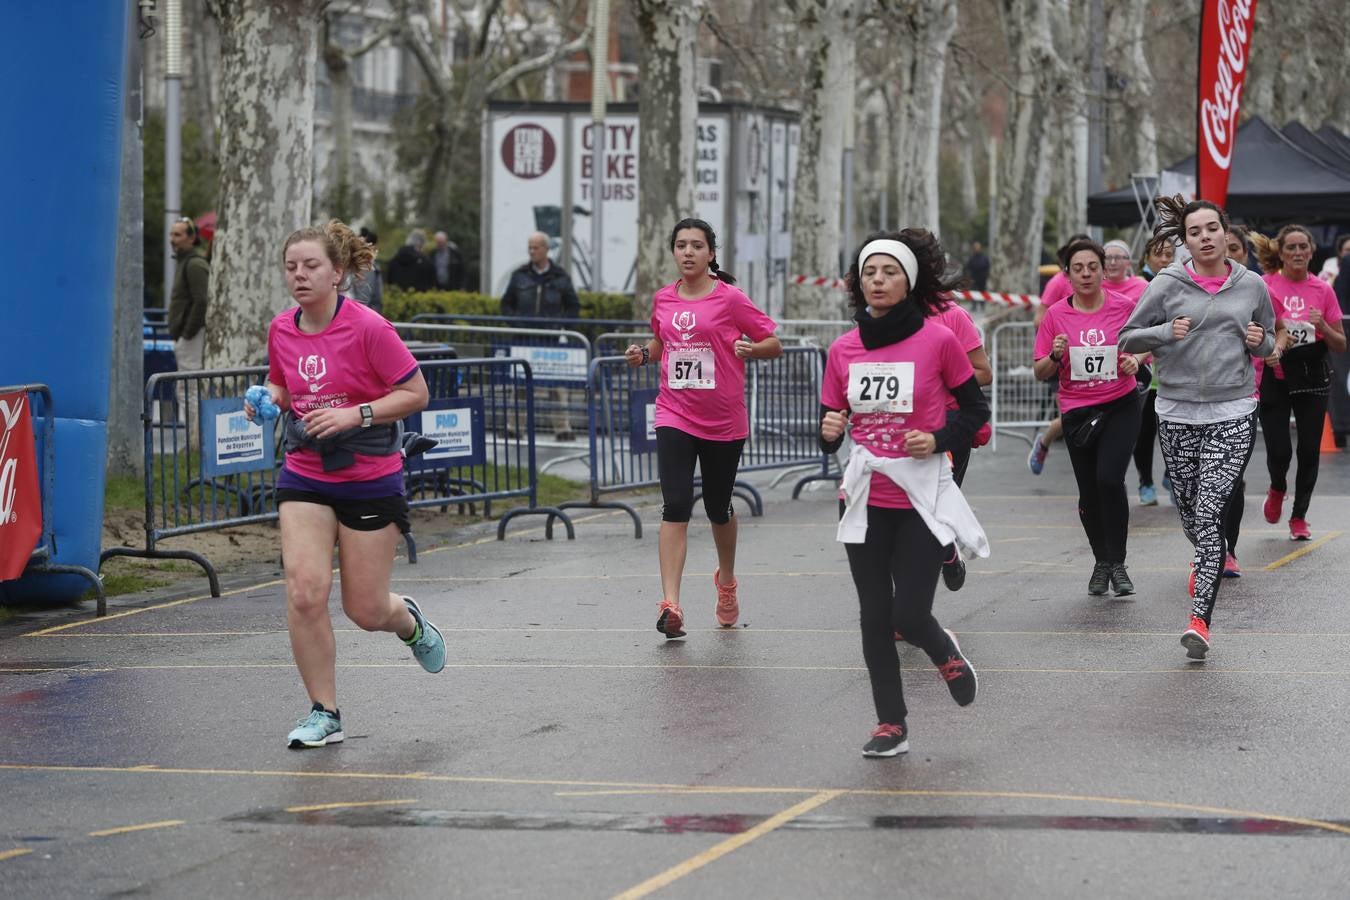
(317, 729)
(429, 647)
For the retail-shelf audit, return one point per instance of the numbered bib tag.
(881, 387)
(1093, 363)
(691, 370)
(1301, 334)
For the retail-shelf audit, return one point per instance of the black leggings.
(1309, 414)
(896, 570)
(1103, 507)
(1148, 433)
(676, 453)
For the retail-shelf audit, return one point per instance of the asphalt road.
(569, 751)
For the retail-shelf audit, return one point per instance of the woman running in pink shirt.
(1309, 314)
(888, 383)
(705, 329)
(345, 381)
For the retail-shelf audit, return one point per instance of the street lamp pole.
(173, 149)
(599, 85)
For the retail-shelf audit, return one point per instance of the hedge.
(401, 306)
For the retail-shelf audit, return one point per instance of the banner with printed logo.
(1225, 37)
(20, 496)
(231, 444)
(457, 426)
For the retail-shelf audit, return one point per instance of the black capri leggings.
(676, 453)
(1100, 471)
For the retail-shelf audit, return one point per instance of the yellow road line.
(719, 850)
(657, 787)
(1302, 551)
(148, 826)
(11, 854)
(318, 807)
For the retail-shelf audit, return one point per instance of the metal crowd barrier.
(782, 395)
(783, 398)
(208, 468)
(588, 327)
(1019, 400)
(40, 560)
(481, 412)
(558, 359)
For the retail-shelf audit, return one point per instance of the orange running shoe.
(728, 607)
(670, 621)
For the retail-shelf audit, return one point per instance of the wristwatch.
(367, 415)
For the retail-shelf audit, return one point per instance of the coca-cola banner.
(20, 500)
(1225, 37)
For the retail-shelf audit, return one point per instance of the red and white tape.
(996, 297)
(1021, 300)
(812, 281)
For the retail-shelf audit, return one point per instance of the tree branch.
(544, 60)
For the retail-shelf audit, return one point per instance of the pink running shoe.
(1196, 638)
(1273, 506)
(1230, 567)
(1298, 530)
(670, 621)
(728, 607)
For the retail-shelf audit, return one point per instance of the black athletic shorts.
(359, 515)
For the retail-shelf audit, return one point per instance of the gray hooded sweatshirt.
(1211, 363)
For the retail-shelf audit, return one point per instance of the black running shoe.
(887, 740)
(954, 573)
(959, 675)
(1120, 581)
(1100, 581)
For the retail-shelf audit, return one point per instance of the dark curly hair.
(1172, 214)
(1078, 246)
(933, 291)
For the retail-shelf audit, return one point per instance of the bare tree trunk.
(269, 50)
(126, 386)
(203, 36)
(826, 29)
(667, 126)
(918, 128)
(965, 124)
(1135, 131)
(1024, 177)
(337, 62)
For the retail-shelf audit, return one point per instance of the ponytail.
(719, 274)
(1268, 249)
(346, 249)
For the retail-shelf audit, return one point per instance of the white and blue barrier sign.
(456, 424)
(642, 421)
(551, 365)
(231, 443)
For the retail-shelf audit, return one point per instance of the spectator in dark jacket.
(187, 310)
(540, 288)
(977, 266)
(410, 269)
(448, 264)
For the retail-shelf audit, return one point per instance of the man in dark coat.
(410, 269)
(541, 288)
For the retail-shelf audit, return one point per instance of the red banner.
(20, 499)
(1225, 37)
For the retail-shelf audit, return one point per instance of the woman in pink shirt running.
(888, 383)
(706, 328)
(1309, 315)
(344, 381)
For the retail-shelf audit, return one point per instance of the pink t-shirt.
(358, 358)
(959, 322)
(1097, 329)
(1059, 288)
(1211, 283)
(925, 367)
(1056, 289)
(1294, 300)
(1131, 288)
(702, 380)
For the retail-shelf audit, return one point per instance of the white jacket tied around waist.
(931, 489)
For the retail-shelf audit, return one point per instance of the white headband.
(896, 249)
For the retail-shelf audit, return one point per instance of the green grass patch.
(5, 615)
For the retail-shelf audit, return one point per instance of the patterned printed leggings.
(1206, 464)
